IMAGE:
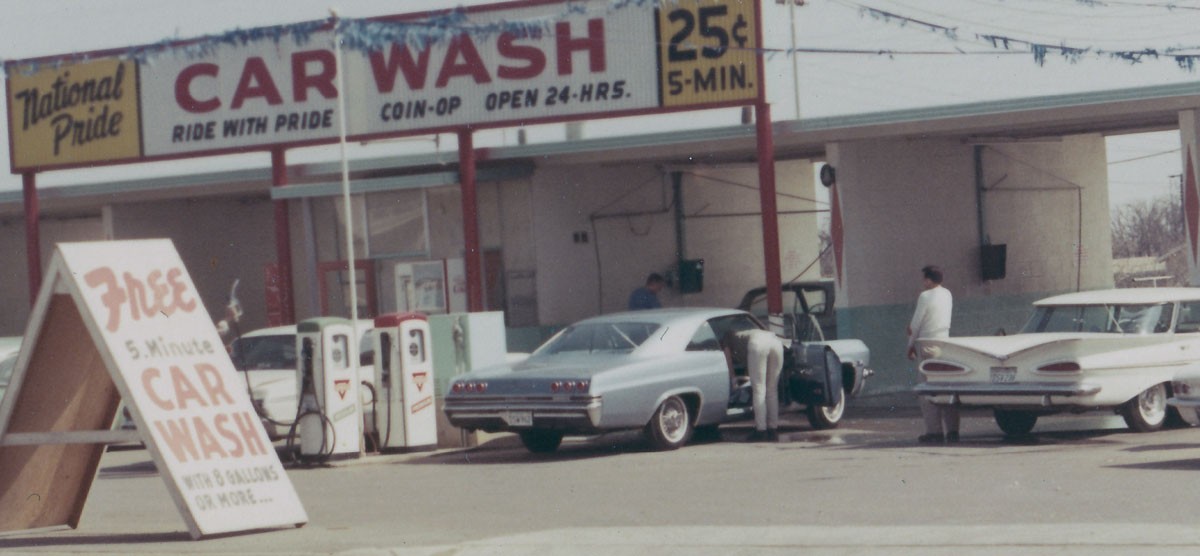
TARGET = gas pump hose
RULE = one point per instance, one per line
(373, 438)
(387, 437)
(328, 433)
(328, 440)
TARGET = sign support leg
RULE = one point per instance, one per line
(33, 249)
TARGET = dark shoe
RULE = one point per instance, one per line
(772, 435)
(931, 438)
(757, 436)
(952, 436)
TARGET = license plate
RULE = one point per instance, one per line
(518, 418)
(1004, 375)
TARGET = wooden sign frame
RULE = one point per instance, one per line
(85, 350)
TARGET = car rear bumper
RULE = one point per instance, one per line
(1002, 395)
(579, 414)
(1193, 403)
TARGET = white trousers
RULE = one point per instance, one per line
(764, 360)
(939, 419)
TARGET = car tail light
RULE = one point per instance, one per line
(1181, 388)
(570, 386)
(1061, 367)
(940, 367)
(469, 387)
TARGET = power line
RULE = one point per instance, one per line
(1180, 54)
(1143, 157)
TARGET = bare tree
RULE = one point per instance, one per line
(1149, 228)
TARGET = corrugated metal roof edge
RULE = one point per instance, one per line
(542, 150)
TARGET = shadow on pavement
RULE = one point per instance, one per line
(50, 539)
(1164, 447)
(1192, 465)
(992, 441)
(129, 471)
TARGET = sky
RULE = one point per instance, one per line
(923, 53)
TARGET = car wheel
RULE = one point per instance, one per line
(827, 417)
(1015, 423)
(671, 425)
(1147, 411)
(541, 441)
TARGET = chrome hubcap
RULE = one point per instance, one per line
(1152, 404)
(835, 413)
(672, 420)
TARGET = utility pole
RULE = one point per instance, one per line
(795, 59)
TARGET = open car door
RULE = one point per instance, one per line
(814, 375)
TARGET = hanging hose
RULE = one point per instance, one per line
(387, 437)
(328, 440)
(328, 433)
(373, 436)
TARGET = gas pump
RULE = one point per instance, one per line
(327, 417)
(404, 380)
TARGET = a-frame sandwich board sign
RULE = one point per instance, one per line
(116, 321)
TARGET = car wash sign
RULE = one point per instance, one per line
(515, 63)
(189, 404)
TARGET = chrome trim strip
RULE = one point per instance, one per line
(1028, 389)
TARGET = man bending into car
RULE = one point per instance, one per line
(763, 353)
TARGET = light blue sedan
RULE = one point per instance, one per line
(662, 371)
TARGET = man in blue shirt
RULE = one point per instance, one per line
(646, 297)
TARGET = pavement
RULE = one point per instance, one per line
(496, 499)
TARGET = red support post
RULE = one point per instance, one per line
(33, 242)
(470, 212)
(770, 215)
(283, 238)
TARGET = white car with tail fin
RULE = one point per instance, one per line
(1115, 350)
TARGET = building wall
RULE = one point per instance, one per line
(724, 227)
(628, 216)
(219, 240)
(506, 224)
(14, 274)
(577, 238)
(909, 203)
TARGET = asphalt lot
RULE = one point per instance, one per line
(1080, 485)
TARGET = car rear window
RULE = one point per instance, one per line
(265, 352)
(1113, 319)
(611, 337)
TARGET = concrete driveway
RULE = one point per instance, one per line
(1080, 485)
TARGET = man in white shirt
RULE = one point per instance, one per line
(932, 320)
